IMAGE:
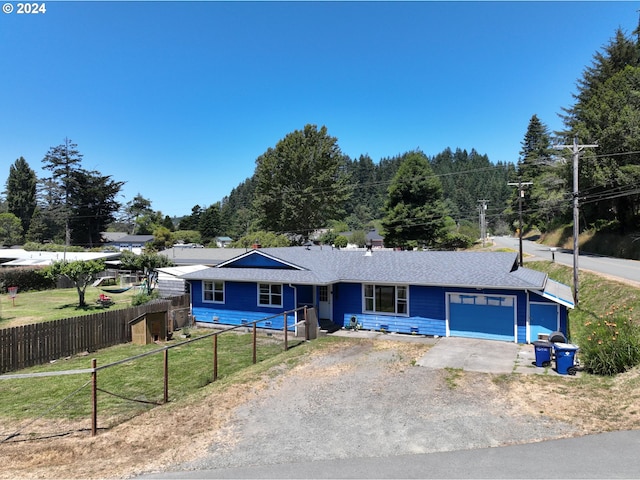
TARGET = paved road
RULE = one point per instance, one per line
(606, 455)
(615, 267)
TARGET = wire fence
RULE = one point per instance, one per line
(144, 379)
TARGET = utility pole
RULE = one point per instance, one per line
(483, 220)
(575, 150)
(520, 184)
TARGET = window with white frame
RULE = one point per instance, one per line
(270, 294)
(386, 299)
(213, 291)
(323, 293)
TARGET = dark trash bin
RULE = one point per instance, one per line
(565, 358)
(543, 353)
(557, 337)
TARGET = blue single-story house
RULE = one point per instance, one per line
(466, 294)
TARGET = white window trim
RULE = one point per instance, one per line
(213, 290)
(395, 287)
(270, 305)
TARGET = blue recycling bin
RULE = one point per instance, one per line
(543, 353)
(565, 357)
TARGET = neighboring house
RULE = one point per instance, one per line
(372, 239)
(223, 242)
(110, 237)
(133, 243)
(467, 294)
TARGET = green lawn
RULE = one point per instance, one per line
(42, 306)
(139, 381)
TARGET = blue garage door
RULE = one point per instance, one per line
(543, 318)
(482, 316)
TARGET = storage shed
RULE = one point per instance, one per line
(148, 328)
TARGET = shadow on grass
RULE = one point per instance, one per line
(77, 308)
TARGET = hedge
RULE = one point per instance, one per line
(25, 278)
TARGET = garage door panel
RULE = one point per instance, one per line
(478, 318)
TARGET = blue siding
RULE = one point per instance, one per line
(347, 300)
(395, 323)
(257, 261)
(427, 308)
(241, 303)
(238, 317)
(426, 311)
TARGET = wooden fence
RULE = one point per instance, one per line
(39, 343)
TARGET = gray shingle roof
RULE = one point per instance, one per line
(318, 266)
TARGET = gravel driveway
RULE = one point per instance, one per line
(372, 399)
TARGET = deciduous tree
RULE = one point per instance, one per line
(81, 273)
(301, 184)
(146, 263)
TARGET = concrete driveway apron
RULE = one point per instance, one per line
(488, 356)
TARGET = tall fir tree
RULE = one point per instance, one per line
(415, 211)
(21, 192)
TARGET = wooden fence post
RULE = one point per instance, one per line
(166, 375)
(306, 324)
(286, 340)
(215, 357)
(94, 398)
(255, 334)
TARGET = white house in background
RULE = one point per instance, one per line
(17, 257)
(133, 243)
(223, 242)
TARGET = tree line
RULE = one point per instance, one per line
(305, 187)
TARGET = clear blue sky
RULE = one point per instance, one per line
(178, 99)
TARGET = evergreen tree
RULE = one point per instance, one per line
(134, 209)
(607, 112)
(415, 208)
(168, 223)
(536, 150)
(21, 192)
(92, 205)
(50, 215)
(236, 214)
(209, 223)
(10, 230)
(63, 161)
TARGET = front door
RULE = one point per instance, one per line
(325, 310)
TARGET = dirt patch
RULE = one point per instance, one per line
(354, 398)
